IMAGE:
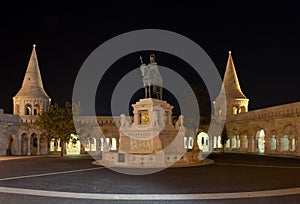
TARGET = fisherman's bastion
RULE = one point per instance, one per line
(272, 130)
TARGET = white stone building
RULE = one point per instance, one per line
(272, 130)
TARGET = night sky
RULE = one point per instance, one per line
(264, 40)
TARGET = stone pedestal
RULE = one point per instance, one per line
(151, 140)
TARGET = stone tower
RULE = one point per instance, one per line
(236, 101)
(31, 98)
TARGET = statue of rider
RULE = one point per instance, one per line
(151, 78)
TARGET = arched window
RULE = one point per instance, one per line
(36, 110)
(260, 137)
(28, 109)
(235, 110)
(113, 144)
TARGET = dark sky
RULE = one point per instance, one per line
(264, 39)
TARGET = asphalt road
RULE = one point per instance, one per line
(231, 173)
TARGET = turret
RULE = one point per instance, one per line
(236, 101)
(31, 98)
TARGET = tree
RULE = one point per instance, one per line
(224, 138)
(191, 120)
(58, 123)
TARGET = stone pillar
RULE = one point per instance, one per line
(38, 146)
(267, 143)
(278, 144)
(290, 143)
(251, 143)
(28, 153)
(97, 145)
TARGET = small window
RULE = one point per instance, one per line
(121, 157)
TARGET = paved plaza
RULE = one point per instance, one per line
(232, 178)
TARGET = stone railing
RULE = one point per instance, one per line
(286, 110)
(101, 120)
(28, 118)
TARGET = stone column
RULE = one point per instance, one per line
(97, 144)
(290, 143)
(251, 143)
(278, 144)
(28, 153)
(38, 146)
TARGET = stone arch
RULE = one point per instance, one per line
(273, 143)
(55, 145)
(101, 144)
(217, 142)
(289, 138)
(34, 144)
(260, 140)
(107, 145)
(114, 144)
(11, 145)
(89, 143)
(203, 139)
(73, 146)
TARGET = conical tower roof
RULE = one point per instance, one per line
(231, 82)
(32, 84)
